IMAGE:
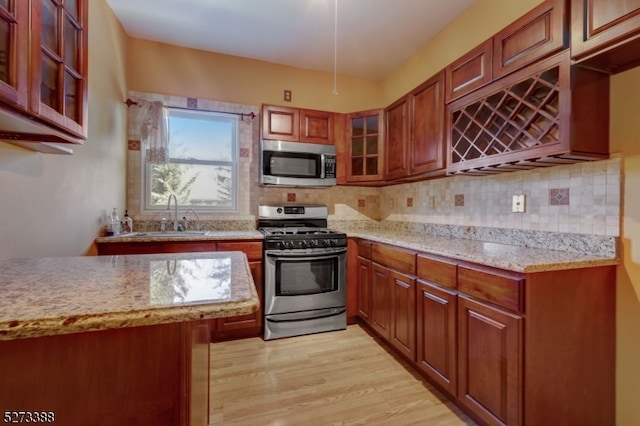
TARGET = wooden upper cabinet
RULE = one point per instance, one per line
(43, 73)
(297, 125)
(364, 153)
(280, 123)
(316, 126)
(396, 140)
(546, 114)
(59, 63)
(427, 136)
(469, 72)
(537, 34)
(414, 132)
(14, 31)
(605, 34)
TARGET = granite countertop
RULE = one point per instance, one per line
(183, 236)
(51, 296)
(498, 255)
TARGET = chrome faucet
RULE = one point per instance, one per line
(186, 228)
(175, 210)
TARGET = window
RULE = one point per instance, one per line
(202, 169)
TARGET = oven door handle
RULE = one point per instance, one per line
(303, 316)
(287, 254)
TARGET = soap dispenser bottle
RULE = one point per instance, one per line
(115, 222)
(128, 222)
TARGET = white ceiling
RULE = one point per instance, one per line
(374, 36)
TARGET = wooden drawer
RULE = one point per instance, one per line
(436, 270)
(130, 248)
(470, 72)
(253, 249)
(364, 249)
(502, 288)
(188, 246)
(397, 259)
(535, 35)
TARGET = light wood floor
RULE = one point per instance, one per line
(337, 378)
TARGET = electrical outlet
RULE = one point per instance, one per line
(392, 203)
(431, 202)
(517, 205)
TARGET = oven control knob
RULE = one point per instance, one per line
(279, 210)
(334, 242)
(303, 243)
(325, 242)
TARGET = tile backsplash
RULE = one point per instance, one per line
(587, 195)
(581, 198)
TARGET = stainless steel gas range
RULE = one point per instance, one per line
(305, 271)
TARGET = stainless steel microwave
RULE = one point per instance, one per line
(297, 164)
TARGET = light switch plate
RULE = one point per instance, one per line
(517, 204)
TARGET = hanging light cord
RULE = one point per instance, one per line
(335, 49)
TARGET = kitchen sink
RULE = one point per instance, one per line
(167, 234)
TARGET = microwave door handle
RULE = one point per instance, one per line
(322, 166)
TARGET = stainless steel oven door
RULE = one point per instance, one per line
(304, 280)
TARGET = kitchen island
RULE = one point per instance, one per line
(114, 339)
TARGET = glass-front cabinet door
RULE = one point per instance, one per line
(365, 160)
(13, 52)
(59, 63)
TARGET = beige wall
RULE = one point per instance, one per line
(625, 135)
(171, 70)
(53, 205)
(478, 23)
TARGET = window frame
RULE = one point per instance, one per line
(146, 168)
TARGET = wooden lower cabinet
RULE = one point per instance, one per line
(509, 348)
(402, 330)
(380, 300)
(436, 333)
(364, 288)
(147, 375)
(393, 308)
(490, 362)
(250, 323)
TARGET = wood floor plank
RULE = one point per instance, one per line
(337, 378)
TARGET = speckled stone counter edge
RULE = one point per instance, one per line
(595, 245)
(66, 324)
(83, 323)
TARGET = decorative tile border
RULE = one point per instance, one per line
(133, 145)
(559, 197)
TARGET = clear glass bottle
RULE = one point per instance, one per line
(115, 222)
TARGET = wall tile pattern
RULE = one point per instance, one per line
(593, 208)
(593, 205)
